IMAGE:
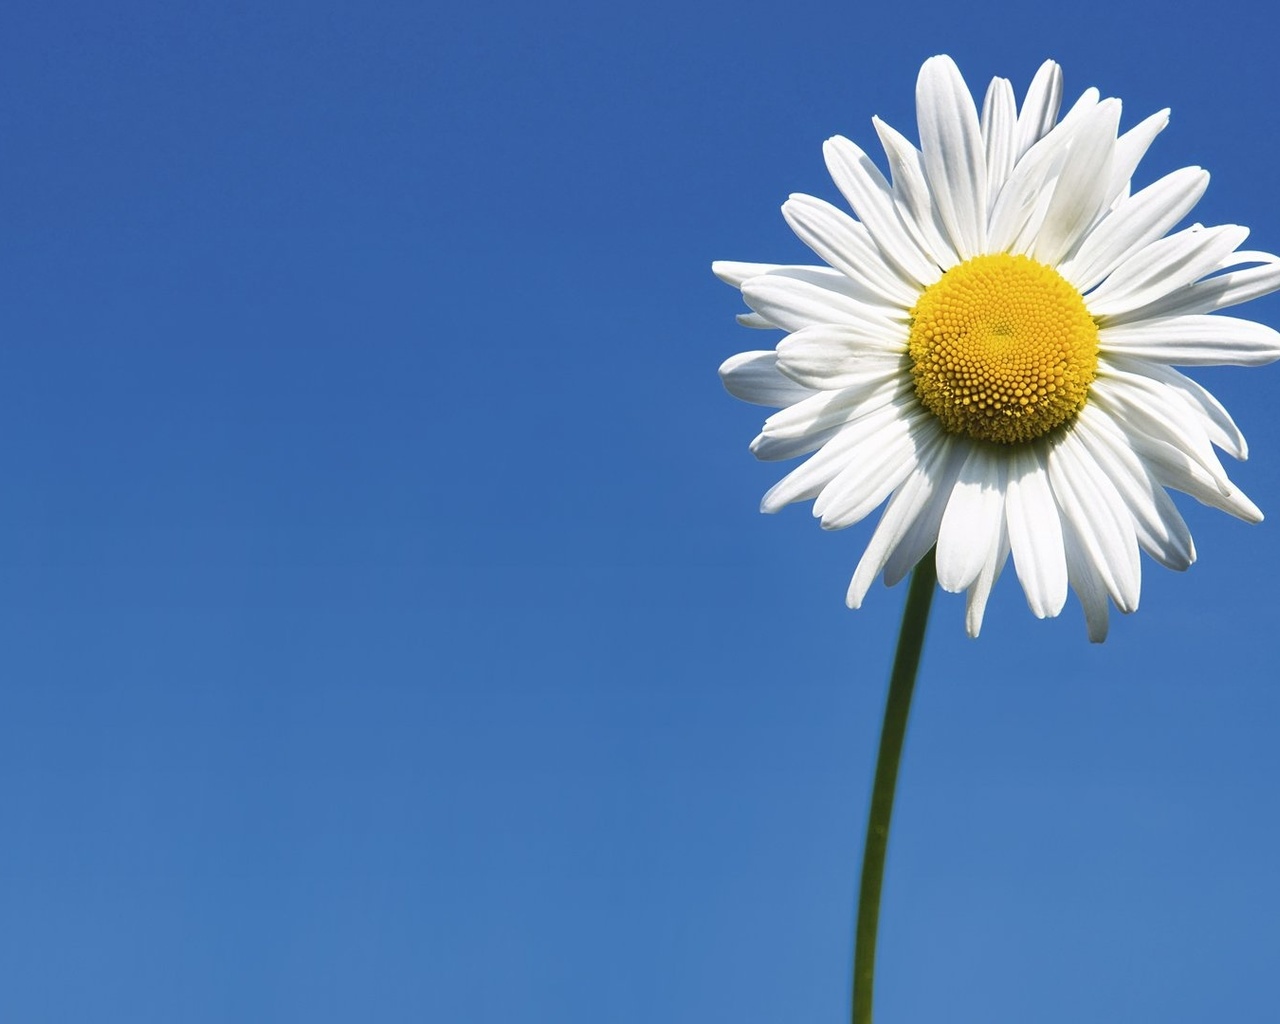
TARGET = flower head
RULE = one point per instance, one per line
(990, 347)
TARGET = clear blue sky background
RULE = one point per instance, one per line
(387, 630)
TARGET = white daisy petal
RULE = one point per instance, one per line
(807, 480)
(1024, 200)
(976, 600)
(754, 377)
(933, 474)
(1098, 517)
(1040, 108)
(1035, 533)
(871, 197)
(792, 304)
(999, 134)
(972, 520)
(1082, 189)
(1132, 146)
(1150, 408)
(831, 408)
(847, 246)
(754, 321)
(1198, 340)
(1135, 223)
(1159, 526)
(1214, 419)
(864, 484)
(830, 356)
(1172, 467)
(735, 272)
(1088, 586)
(955, 159)
(1218, 292)
(1164, 266)
(922, 533)
(913, 198)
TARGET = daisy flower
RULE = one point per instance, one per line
(990, 348)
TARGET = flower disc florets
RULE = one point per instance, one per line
(1003, 349)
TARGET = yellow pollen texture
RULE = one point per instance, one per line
(1002, 349)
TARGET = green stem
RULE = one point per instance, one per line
(901, 683)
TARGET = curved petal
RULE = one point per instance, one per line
(1035, 532)
(973, 519)
(975, 606)
(871, 197)
(1083, 189)
(791, 303)
(826, 357)
(1159, 526)
(1163, 267)
(1098, 518)
(754, 377)
(1213, 416)
(999, 128)
(1132, 146)
(873, 426)
(1218, 292)
(847, 246)
(954, 156)
(921, 497)
(1040, 108)
(912, 196)
(832, 408)
(871, 477)
(1135, 223)
(1197, 340)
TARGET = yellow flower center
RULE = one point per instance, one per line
(1002, 349)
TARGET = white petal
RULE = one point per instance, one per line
(999, 128)
(976, 599)
(755, 321)
(1035, 532)
(1087, 584)
(779, 449)
(830, 356)
(954, 156)
(1214, 418)
(921, 496)
(847, 246)
(871, 197)
(1217, 292)
(1040, 108)
(1082, 190)
(1171, 468)
(1148, 407)
(1022, 203)
(1135, 223)
(1098, 517)
(1193, 341)
(807, 480)
(735, 272)
(913, 198)
(1160, 528)
(922, 534)
(872, 475)
(973, 518)
(1132, 146)
(831, 408)
(1163, 267)
(754, 377)
(792, 304)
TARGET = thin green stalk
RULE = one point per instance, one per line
(901, 683)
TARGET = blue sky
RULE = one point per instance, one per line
(387, 630)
